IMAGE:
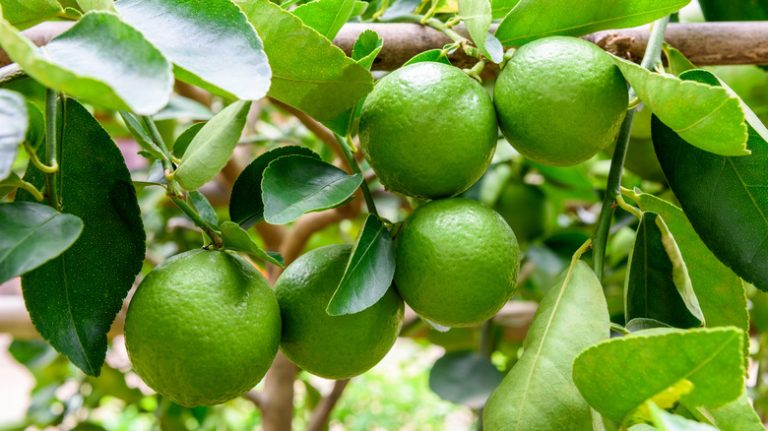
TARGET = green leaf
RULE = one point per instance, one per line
(719, 291)
(734, 10)
(464, 378)
(100, 60)
(369, 272)
(318, 78)
(665, 421)
(500, 8)
(712, 120)
(26, 13)
(74, 298)
(32, 234)
(399, 9)
(182, 108)
(534, 19)
(210, 42)
(725, 198)
(204, 208)
(182, 142)
(619, 375)
(212, 146)
(246, 207)
(9, 184)
(14, 122)
(436, 55)
(89, 5)
(678, 63)
(657, 285)
(572, 316)
(476, 15)
(236, 238)
(295, 185)
(325, 16)
(737, 415)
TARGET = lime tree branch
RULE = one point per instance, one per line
(650, 59)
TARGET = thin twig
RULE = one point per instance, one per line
(322, 412)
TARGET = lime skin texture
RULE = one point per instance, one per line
(428, 130)
(203, 328)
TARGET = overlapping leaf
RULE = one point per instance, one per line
(235, 238)
(477, 16)
(13, 128)
(26, 13)
(464, 378)
(325, 16)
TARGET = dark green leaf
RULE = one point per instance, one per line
(212, 146)
(500, 8)
(464, 378)
(657, 285)
(246, 207)
(236, 238)
(26, 13)
(369, 271)
(325, 16)
(209, 41)
(436, 55)
(618, 376)
(534, 19)
(74, 298)
(14, 122)
(734, 10)
(295, 185)
(317, 78)
(204, 208)
(100, 59)
(32, 234)
(476, 15)
(186, 137)
(572, 316)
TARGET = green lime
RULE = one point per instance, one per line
(428, 130)
(334, 347)
(203, 328)
(456, 262)
(524, 208)
(560, 100)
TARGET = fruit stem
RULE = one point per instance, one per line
(345, 149)
(42, 167)
(31, 189)
(651, 57)
(202, 224)
(53, 114)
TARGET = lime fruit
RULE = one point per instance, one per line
(428, 130)
(456, 262)
(203, 328)
(560, 100)
(524, 208)
(334, 347)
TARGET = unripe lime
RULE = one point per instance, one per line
(560, 100)
(428, 130)
(524, 208)
(203, 328)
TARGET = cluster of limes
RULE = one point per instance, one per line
(204, 326)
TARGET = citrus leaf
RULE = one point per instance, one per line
(204, 208)
(182, 108)
(246, 207)
(89, 5)
(26, 13)
(9, 184)
(500, 8)
(734, 10)
(32, 234)
(325, 16)
(182, 142)
(436, 55)
(464, 378)
(210, 42)
(294, 185)
(369, 272)
(665, 421)
(476, 15)
(720, 292)
(737, 415)
(236, 238)
(74, 298)
(713, 119)
(657, 285)
(534, 19)
(678, 63)
(14, 122)
(212, 146)
(100, 60)
(315, 77)
(572, 316)
(619, 375)
(725, 198)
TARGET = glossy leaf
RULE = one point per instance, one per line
(185, 138)
(436, 55)
(325, 16)
(236, 238)
(619, 375)
(678, 63)
(713, 119)
(369, 272)
(534, 19)
(246, 206)
(210, 42)
(32, 234)
(477, 17)
(665, 421)
(295, 185)
(658, 285)
(100, 60)
(212, 146)
(573, 315)
(74, 298)
(500, 8)
(734, 10)
(26, 13)
(14, 122)
(464, 378)
(737, 415)
(314, 76)
(204, 208)
(720, 292)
